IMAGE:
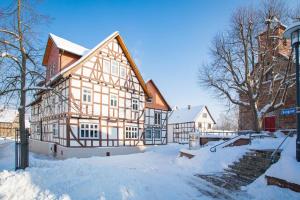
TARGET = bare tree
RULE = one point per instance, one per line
(228, 121)
(19, 61)
(241, 61)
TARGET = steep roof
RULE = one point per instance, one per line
(69, 46)
(8, 115)
(183, 115)
(151, 83)
(67, 71)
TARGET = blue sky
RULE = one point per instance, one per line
(169, 40)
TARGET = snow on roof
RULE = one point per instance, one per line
(8, 115)
(185, 114)
(84, 56)
(66, 45)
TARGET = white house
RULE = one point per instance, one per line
(183, 121)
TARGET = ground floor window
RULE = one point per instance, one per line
(88, 130)
(157, 134)
(148, 134)
(131, 132)
(55, 129)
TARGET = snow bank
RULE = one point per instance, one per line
(7, 154)
(150, 175)
(287, 168)
(156, 174)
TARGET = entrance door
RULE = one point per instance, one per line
(270, 123)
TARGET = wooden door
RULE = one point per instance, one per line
(270, 123)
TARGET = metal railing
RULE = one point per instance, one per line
(272, 157)
(214, 148)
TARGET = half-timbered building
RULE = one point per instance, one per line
(156, 116)
(94, 98)
(183, 121)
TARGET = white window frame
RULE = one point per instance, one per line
(89, 131)
(148, 138)
(157, 120)
(113, 101)
(123, 69)
(154, 134)
(131, 132)
(86, 95)
(135, 104)
(114, 68)
(106, 66)
(55, 129)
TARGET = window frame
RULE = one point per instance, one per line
(204, 115)
(131, 132)
(157, 118)
(106, 66)
(112, 62)
(113, 100)
(122, 67)
(87, 92)
(55, 130)
(154, 134)
(148, 138)
(86, 130)
(133, 104)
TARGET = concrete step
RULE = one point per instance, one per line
(242, 172)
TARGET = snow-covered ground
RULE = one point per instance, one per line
(156, 174)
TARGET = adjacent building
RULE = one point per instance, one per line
(183, 121)
(156, 116)
(273, 120)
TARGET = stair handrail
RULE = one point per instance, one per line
(214, 148)
(272, 157)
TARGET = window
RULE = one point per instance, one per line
(88, 130)
(269, 75)
(131, 132)
(55, 129)
(157, 118)
(86, 96)
(113, 100)
(148, 134)
(204, 115)
(38, 128)
(114, 68)
(135, 104)
(123, 72)
(157, 134)
(177, 126)
(106, 66)
(149, 100)
(209, 126)
(199, 125)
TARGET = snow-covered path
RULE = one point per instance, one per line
(156, 174)
(150, 175)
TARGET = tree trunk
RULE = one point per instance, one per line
(256, 121)
(23, 134)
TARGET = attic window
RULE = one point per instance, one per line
(106, 66)
(114, 68)
(122, 71)
(204, 115)
(86, 96)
